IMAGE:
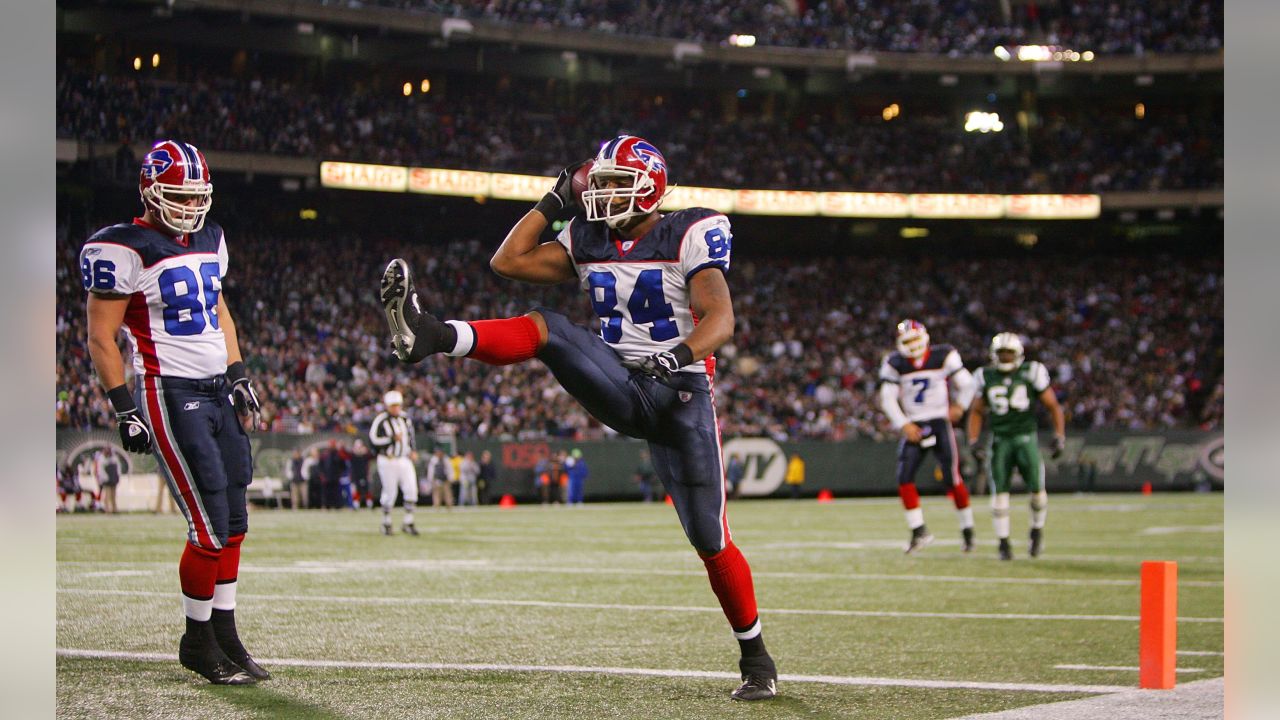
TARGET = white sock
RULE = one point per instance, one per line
(915, 518)
(466, 338)
(224, 596)
(1000, 514)
(966, 517)
(1039, 508)
(198, 610)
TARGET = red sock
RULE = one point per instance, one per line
(911, 497)
(504, 342)
(731, 581)
(229, 561)
(198, 571)
(960, 494)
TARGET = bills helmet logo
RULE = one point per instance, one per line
(156, 162)
(628, 178)
(650, 156)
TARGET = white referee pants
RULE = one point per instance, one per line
(397, 473)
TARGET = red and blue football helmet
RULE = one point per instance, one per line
(913, 339)
(174, 184)
(630, 169)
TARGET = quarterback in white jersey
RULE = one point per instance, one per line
(916, 384)
(657, 284)
(159, 278)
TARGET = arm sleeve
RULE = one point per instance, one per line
(565, 238)
(408, 424)
(965, 386)
(222, 254)
(707, 243)
(889, 404)
(109, 268)
(1039, 377)
(378, 434)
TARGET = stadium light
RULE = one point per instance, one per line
(1002, 53)
(408, 89)
(155, 60)
(426, 85)
(742, 40)
(1140, 111)
(891, 112)
(983, 122)
(137, 63)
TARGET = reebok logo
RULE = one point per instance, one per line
(193, 405)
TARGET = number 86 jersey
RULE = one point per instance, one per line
(173, 287)
(640, 288)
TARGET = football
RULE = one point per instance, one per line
(579, 182)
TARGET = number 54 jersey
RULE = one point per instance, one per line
(640, 288)
(173, 287)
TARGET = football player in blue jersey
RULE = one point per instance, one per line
(159, 278)
(657, 283)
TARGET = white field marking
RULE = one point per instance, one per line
(1177, 529)
(346, 566)
(118, 573)
(1118, 668)
(651, 672)
(1201, 653)
(503, 602)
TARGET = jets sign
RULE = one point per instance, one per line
(766, 464)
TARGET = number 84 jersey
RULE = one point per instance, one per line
(640, 288)
(173, 287)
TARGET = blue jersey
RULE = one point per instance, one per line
(640, 288)
(173, 286)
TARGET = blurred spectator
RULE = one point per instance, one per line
(734, 474)
(360, 456)
(297, 480)
(468, 476)
(577, 471)
(488, 474)
(440, 476)
(795, 475)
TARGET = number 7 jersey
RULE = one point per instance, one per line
(640, 288)
(173, 287)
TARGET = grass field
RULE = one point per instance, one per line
(605, 611)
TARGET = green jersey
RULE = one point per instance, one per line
(1011, 396)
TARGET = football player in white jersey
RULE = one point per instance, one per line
(916, 384)
(657, 283)
(159, 278)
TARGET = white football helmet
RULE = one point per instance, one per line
(913, 339)
(1006, 341)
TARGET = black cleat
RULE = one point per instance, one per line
(919, 538)
(759, 679)
(224, 631)
(409, 528)
(967, 535)
(1037, 538)
(415, 333)
(1006, 552)
(201, 655)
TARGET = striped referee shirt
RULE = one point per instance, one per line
(383, 435)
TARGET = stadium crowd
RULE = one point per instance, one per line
(503, 126)
(1131, 343)
(947, 27)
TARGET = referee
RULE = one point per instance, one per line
(392, 438)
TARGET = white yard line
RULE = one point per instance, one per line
(1199, 700)
(1118, 668)
(652, 672)
(1201, 653)
(322, 567)
(344, 599)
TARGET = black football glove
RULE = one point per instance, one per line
(562, 201)
(1059, 444)
(135, 436)
(979, 453)
(243, 398)
(661, 365)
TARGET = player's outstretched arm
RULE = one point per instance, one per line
(976, 411)
(521, 257)
(709, 296)
(1059, 420)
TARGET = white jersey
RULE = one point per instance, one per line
(924, 388)
(640, 288)
(173, 286)
(384, 431)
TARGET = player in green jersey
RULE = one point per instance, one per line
(1008, 389)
